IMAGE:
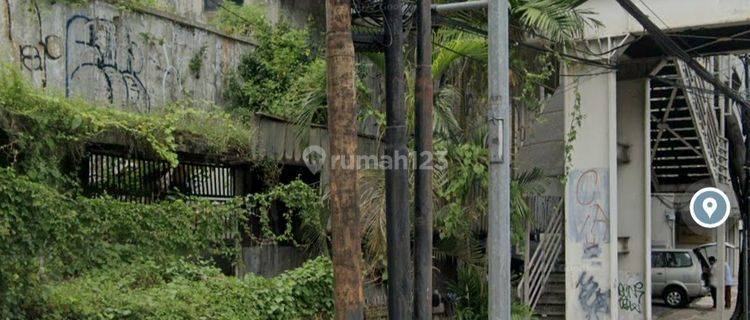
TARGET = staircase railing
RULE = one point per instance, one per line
(543, 261)
(700, 101)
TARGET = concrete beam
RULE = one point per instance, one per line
(669, 15)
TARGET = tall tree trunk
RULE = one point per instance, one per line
(347, 249)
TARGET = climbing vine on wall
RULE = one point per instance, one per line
(576, 119)
(295, 200)
(40, 132)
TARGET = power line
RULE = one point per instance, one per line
(670, 47)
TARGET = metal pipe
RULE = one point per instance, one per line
(459, 6)
(498, 238)
(423, 180)
(396, 177)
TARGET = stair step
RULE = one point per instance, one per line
(556, 277)
(552, 298)
(554, 288)
(551, 317)
(550, 310)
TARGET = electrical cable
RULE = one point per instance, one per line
(671, 48)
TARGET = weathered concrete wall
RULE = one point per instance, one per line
(663, 220)
(271, 260)
(189, 9)
(137, 61)
(542, 143)
(633, 196)
(591, 197)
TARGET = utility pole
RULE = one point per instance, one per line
(396, 177)
(499, 144)
(348, 296)
(423, 180)
(498, 239)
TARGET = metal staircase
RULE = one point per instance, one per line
(543, 285)
(687, 144)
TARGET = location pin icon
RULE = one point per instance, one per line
(709, 206)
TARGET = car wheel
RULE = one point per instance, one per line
(675, 297)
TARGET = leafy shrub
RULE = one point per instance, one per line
(46, 235)
(264, 75)
(183, 290)
(470, 296)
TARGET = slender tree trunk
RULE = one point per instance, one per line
(347, 249)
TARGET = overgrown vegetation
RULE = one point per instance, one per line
(48, 240)
(66, 256)
(46, 235)
(266, 74)
(184, 290)
(63, 255)
(196, 62)
(42, 132)
(284, 76)
(299, 202)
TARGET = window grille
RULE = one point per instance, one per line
(148, 180)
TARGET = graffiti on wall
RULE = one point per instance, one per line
(588, 210)
(593, 300)
(128, 60)
(98, 52)
(38, 49)
(630, 294)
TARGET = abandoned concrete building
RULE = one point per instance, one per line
(649, 131)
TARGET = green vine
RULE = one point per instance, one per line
(196, 62)
(535, 76)
(298, 201)
(41, 132)
(576, 120)
(46, 235)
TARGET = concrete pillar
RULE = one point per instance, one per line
(634, 197)
(591, 193)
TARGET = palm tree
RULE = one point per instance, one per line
(459, 67)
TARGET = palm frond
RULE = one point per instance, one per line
(460, 47)
(557, 20)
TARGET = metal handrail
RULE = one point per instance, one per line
(542, 262)
(700, 103)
